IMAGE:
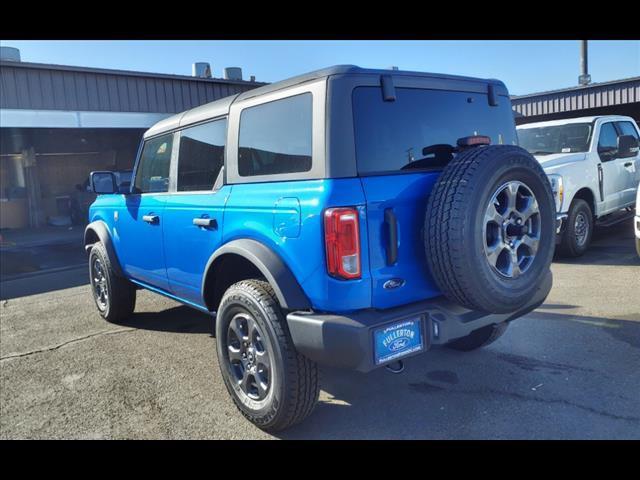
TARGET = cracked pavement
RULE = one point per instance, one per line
(568, 370)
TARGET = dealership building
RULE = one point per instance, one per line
(617, 97)
(58, 123)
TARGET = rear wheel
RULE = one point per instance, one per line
(577, 234)
(272, 385)
(115, 296)
(479, 338)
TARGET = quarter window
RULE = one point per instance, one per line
(275, 137)
(153, 168)
(201, 156)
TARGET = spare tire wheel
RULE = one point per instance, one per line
(490, 228)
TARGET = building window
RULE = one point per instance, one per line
(275, 137)
(153, 168)
(201, 156)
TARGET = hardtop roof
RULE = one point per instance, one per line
(221, 107)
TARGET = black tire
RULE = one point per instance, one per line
(570, 244)
(292, 379)
(479, 338)
(120, 300)
(454, 228)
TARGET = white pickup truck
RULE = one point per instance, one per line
(593, 164)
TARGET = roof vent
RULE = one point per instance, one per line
(393, 67)
(233, 73)
(201, 70)
(9, 54)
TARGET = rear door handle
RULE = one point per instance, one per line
(628, 164)
(151, 218)
(205, 222)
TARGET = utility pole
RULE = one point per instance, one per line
(584, 78)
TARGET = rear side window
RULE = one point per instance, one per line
(153, 168)
(418, 129)
(201, 156)
(275, 137)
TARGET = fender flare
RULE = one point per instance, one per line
(284, 283)
(100, 229)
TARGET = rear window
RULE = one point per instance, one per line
(420, 127)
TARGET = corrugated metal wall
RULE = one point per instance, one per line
(592, 96)
(40, 87)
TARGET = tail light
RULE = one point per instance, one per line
(342, 242)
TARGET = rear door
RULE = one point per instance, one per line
(401, 148)
(194, 212)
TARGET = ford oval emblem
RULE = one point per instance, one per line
(393, 283)
(399, 344)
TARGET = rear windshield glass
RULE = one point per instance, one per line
(421, 127)
(569, 138)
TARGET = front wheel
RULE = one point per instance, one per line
(271, 384)
(577, 234)
(115, 296)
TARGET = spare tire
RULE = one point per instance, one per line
(490, 228)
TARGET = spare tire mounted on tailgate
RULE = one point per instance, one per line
(489, 228)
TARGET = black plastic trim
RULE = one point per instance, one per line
(346, 341)
(287, 289)
(100, 228)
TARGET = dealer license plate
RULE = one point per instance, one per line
(397, 340)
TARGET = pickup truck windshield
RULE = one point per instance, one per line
(421, 127)
(573, 137)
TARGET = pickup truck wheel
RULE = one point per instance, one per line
(579, 230)
(272, 385)
(115, 296)
(490, 228)
(479, 338)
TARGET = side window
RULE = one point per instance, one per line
(627, 128)
(608, 142)
(153, 168)
(201, 156)
(275, 137)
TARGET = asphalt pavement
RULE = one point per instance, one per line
(571, 369)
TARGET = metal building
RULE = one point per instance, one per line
(617, 97)
(58, 122)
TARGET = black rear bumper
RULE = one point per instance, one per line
(347, 340)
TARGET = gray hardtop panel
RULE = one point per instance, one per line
(195, 115)
(221, 107)
(355, 70)
(209, 110)
(164, 125)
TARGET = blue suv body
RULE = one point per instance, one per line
(318, 187)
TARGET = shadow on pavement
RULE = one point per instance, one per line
(179, 319)
(613, 245)
(43, 282)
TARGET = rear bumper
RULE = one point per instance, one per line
(347, 340)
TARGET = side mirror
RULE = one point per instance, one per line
(103, 182)
(627, 146)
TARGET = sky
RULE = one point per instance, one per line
(525, 66)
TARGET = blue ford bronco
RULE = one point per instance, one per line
(346, 217)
